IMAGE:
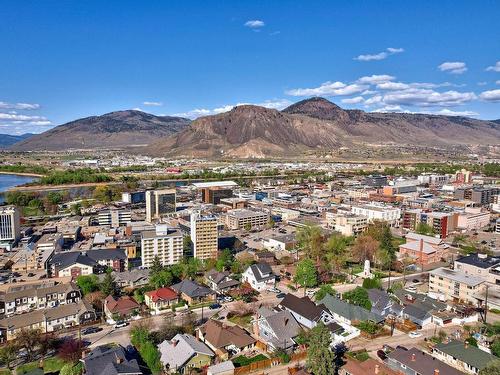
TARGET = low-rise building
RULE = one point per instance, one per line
(373, 212)
(416, 362)
(277, 329)
(242, 218)
(192, 292)
(260, 276)
(110, 360)
(446, 284)
(184, 353)
(160, 299)
(120, 308)
(423, 249)
(220, 282)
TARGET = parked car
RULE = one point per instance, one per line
(381, 354)
(228, 299)
(281, 295)
(402, 347)
(310, 293)
(274, 290)
(121, 324)
(414, 334)
(91, 330)
(31, 274)
(214, 306)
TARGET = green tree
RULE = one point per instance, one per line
(492, 368)
(161, 279)
(29, 339)
(306, 274)
(358, 296)
(8, 354)
(156, 266)
(224, 260)
(320, 359)
(387, 243)
(87, 283)
(336, 251)
(54, 197)
(495, 347)
(310, 240)
(372, 283)
(108, 285)
(365, 248)
(323, 291)
(72, 369)
(424, 228)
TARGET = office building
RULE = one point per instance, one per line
(10, 226)
(134, 197)
(164, 243)
(375, 181)
(473, 219)
(243, 218)
(213, 192)
(373, 212)
(159, 203)
(204, 236)
(115, 217)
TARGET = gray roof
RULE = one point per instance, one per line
(348, 311)
(192, 289)
(457, 276)
(110, 360)
(483, 261)
(424, 364)
(221, 368)
(262, 272)
(302, 306)
(186, 347)
(470, 354)
(283, 324)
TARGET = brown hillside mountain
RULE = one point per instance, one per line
(316, 123)
(115, 129)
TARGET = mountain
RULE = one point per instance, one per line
(7, 140)
(111, 130)
(317, 124)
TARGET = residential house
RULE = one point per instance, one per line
(71, 264)
(419, 308)
(423, 249)
(277, 329)
(110, 360)
(462, 356)
(222, 368)
(347, 313)
(160, 299)
(134, 278)
(368, 367)
(225, 340)
(265, 257)
(417, 362)
(305, 311)
(47, 320)
(183, 353)
(260, 276)
(383, 304)
(220, 282)
(120, 308)
(192, 292)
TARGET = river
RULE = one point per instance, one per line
(10, 180)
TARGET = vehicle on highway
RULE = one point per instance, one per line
(121, 324)
(274, 290)
(381, 354)
(414, 334)
(281, 295)
(415, 281)
(91, 330)
(214, 306)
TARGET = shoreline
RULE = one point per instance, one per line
(25, 174)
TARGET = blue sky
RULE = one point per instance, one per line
(63, 60)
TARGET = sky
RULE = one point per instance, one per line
(63, 60)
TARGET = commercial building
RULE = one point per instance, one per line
(164, 243)
(423, 249)
(375, 181)
(115, 217)
(242, 218)
(373, 212)
(204, 236)
(347, 223)
(452, 285)
(479, 195)
(10, 226)
(473, 219)
(213, 192)
(159, 203)
(134, 197)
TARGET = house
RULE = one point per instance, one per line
(368, 367)
(71, 264)
(110, 360)
(47, 320)
(419, 308)
(265, 257)
(131, 279)
(160, 299)
(417, 362)
(223, 368)
(347, 313)
(192, 292)
(260, 276)
(184, 352)
(220, 282)
(423, 249)
(383, 304)
(305, 311)
(276, 328)
(462, 356)
(120, 308)
(225, 340)
(110, 258)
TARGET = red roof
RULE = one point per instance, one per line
(165, 294)
(123, 305)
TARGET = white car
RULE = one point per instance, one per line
(121, 324)
(411, 288)
(414, 334)
(274, 290)
(310, 293)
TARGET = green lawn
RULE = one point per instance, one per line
(5, 371)
(242, 321)
(245, 361)
(360, 355)
(52, 364)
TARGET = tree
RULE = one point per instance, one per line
(161, 279)
(224, 260)
(492, 368)
(187, 245)
(358, 296)
(70, 350)
(364, 248)
(340, 351)
(372, 283)
(96, 299)
(156, 266)
(87, 283)
(247, 227)
(495, 347)
(72, 369)
(108, 285)
(8, 354)
(306, 274)
(323, 291)
(320, 359)
(310, 240)
(382, 257)
(29, 339)
(387, 244)
(424, 228)
(336, 251)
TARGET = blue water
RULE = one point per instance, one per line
(10, 180)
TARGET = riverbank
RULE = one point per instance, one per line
(22, 174)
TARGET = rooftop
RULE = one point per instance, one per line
(457, 276)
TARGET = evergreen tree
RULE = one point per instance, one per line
(156, 266)
(320, 359)
(108, 286)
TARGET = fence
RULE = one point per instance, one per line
(266, 363)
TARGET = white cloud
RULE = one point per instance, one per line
(376, 78)
(21, 106)
(393, 86)
(255, 24)
(491, 95)
(389, 108)
(494, 68)
(449, 112)
(456, 67)
(427, 97)
(498, 82)
(152, 104)
(329, 89)
(355, 100)
(379, 56)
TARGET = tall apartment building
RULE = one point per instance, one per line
(10, 226)
(479, 195)
(240, 218)
(453, 285)
(204, 235)
(114, 217)
(159, 203)
(164, 243)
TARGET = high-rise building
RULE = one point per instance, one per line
(159, 203)
(164, 243)
(204, 236)
(114, 217)
(213, 192)
(10, 225)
